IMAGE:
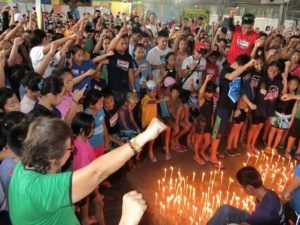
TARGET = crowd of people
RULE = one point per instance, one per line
(83, 94)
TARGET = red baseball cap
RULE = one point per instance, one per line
(198, 46)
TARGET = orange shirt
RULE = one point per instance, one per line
(149, 111)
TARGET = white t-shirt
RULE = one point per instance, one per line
(197, 75)
(37, 56)
(154, 29)
(26, 104)
(157, 57)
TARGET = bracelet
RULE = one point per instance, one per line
(134, 146)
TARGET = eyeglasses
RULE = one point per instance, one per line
(71, 149)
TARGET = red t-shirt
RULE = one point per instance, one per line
(241, 44)
(211, 69)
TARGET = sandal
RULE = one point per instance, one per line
(199, 161)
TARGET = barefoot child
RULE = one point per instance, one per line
(203, 121)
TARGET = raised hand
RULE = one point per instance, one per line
(90, 72)
(155, 128)
(18, 41)
(133, 208)
(110, 53)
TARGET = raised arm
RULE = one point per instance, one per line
(47, 59)
(14, 51)
(85, 180)
(58, 42)
(13, 32)
(203, 87)
(2, 64)
(239, 71)
(285, 75)
(231, 16)
(115, 41)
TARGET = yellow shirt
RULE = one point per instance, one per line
(149, 111)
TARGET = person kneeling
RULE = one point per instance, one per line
(268, 210)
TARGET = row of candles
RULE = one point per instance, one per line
(194, 199)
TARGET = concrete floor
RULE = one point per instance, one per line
(144, 176)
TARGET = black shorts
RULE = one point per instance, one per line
(241, 118)
(295, 129)
(222, 122)
(258, 119)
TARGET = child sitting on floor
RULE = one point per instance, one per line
(127, 121)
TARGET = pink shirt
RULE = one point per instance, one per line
(65, 106)
(83, 155)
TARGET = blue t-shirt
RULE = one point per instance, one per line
(77, 70)
(268, 211)
(295, 201)
(143, 74)
(97, 140)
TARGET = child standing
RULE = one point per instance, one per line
(32, 92)
(203, 121)
(149, 111)
(93, 105)
(230, 82)
(70, 104)
(83, 128)
(83, 70)
(142, 70)
(282, 118)
(267, 94)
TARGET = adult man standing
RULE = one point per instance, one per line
(156, 56)
(243, 37)
(120, 67)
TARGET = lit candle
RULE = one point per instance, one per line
(203, 176)
(180, 214)
(171, 171)
(158, 182)
(257, 157)
(210, 178)
(194, 174)
(155, 198)
(222, 175)
(248, 158)
(227, 196)
(165, 173)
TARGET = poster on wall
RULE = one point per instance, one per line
(120, 7)
(196, 12)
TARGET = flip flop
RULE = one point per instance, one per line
(201, 163)
(217, 165)
(179, 149)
